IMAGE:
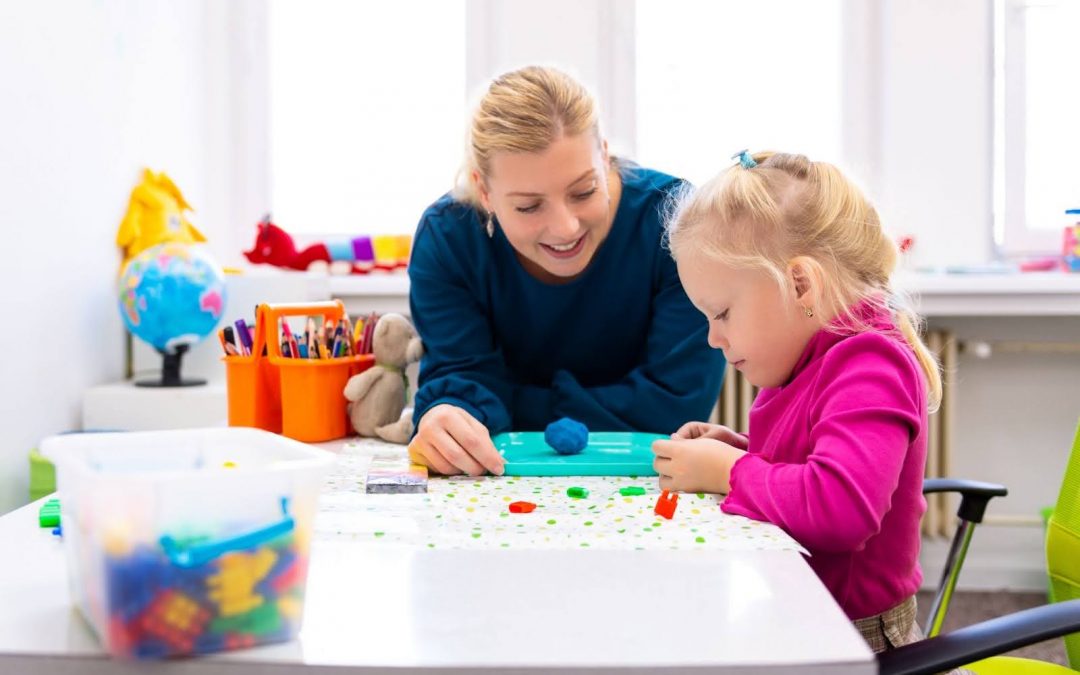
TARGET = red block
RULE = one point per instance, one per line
(522, 507)
(665, 505)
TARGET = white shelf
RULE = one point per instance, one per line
(934, 294)
(124, 406)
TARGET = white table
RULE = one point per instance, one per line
(400, 610)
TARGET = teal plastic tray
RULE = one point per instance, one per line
(609, 453)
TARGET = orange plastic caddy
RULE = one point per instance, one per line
(299, 398)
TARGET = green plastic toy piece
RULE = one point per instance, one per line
(577, 492)
(262, 620)
(609, 453)
(49, 514)
(632, 491)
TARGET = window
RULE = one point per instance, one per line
(367, 112)
(716, 77)
(1036, 132)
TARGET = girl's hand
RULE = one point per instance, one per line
(451, 441)
(705, 430)
(695, 465)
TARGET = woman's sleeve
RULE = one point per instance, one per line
(461, 364)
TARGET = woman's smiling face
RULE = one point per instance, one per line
(553, 206)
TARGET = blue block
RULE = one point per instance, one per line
(567, 436)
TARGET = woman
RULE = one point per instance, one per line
(541, 287)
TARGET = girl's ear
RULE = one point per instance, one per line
(806, 278)
(481, 190)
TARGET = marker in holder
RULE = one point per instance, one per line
(299, 398)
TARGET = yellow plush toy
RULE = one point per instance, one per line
(155, 215)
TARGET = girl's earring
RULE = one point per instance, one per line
(490, 224)
(809, 312)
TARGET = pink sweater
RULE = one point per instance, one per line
(836, 459)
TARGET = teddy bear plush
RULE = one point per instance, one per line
(377, 395)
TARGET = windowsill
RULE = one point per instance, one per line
(934, 294)
(991, 294)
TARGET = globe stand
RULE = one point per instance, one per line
(170, 372)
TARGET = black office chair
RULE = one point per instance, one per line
(989, 638)
(974, 498)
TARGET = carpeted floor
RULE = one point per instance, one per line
(969, 607)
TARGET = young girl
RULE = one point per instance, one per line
(788, 262)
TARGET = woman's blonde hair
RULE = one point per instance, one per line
(524, 111)
(786, 207)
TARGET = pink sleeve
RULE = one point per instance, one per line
(863, 420)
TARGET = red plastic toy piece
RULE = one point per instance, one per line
(665, 505)
(522, 507)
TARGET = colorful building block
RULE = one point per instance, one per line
(665, 505)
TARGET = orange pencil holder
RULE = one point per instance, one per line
(300, 398)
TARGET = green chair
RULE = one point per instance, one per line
(42, 476)
(965, 647)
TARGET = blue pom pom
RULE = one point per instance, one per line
(567, 436)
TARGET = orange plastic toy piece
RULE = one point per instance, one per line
(665, 505)
(175, 619)
(522, 507)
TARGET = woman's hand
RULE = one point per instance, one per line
(695, 465)
(451, 441)
(705, 430)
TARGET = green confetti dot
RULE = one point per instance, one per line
(701, 495)
(585, 544)
(505, 544)
(551, 522)
(622, 531)
(475, 535)
(449, 495)
(588, 523)
(656, 524)
(647, 529)
(431, 545)
(700, 540)
(379, 534)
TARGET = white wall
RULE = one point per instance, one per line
(92, 92)
(1015, 416)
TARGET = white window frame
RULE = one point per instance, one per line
(611, 70)
(1012, 236)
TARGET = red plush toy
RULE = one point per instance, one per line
(274, 246)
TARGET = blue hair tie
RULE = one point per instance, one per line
(745, 159)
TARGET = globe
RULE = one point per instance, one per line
(171, 296)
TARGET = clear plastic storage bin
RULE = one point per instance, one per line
(190, 541)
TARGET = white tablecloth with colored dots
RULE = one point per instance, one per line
(461, 512)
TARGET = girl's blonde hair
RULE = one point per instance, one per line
(786, 207)
(524, 111)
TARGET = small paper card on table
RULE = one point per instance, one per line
(396, 475)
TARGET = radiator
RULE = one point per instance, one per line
(736, 397)
(940, 518)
